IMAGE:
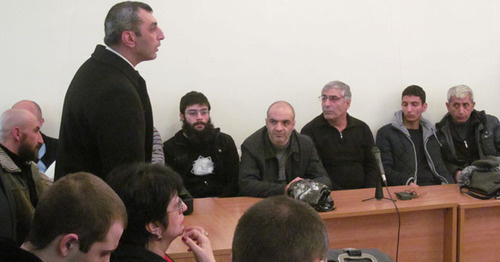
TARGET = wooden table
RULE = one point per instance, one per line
(428, 223)
(478, 229)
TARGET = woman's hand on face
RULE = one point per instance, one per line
(196, 238)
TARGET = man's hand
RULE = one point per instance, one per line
(291, 182)
(413, 185)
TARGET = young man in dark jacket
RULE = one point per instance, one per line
(466, 134)
(409, 146)
(206, 158)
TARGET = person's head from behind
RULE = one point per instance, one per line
(20, 133)
(335, 100)
(460, 103)
(195, 114)
(154, 209)
(413, 104)
(32, 107)
(78, 218)
(280, 123)
(131, 25)
(280, 228)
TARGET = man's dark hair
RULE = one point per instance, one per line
(414, 90)
(146, 190)
(280, 228)
(80, 203)
(193, 98)
(123, 17)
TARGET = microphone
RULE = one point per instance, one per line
(376, 153)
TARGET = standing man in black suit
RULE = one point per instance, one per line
(107, 118)
(47, 153)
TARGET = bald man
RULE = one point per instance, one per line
(20, 180)
(47, 153)
(276, 155)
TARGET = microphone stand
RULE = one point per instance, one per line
(379, 193)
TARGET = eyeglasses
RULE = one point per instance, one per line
(179, 207)
(193, 112)
(331, 98)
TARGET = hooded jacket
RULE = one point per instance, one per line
(399, 155)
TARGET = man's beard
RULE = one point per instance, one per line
(26, 152)
(198, 136)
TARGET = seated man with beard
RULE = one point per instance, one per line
(206, 158)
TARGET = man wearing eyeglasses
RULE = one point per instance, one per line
(206, 158)
(343, 142)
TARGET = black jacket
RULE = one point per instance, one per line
(50, 150)
(259, 166)
(220, 154)
(106, 120)
(134, 253)
(486, 133)
(399, 153)
(347, 156)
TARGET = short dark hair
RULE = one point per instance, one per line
(146, 190)
(280, 228)
(78, 203)
(193, 98)
(414, 90)
(123, 17)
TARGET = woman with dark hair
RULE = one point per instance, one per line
(155, 214)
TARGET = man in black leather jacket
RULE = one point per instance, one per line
(466, 134)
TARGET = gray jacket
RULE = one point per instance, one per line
(399, 155)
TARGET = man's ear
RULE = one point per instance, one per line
(68, 245)
(424, 106)
(128, 38)
(41, 122)
(181, 116)
(16, 133)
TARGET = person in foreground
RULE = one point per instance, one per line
(280, 228)
(276, 155)
(79, 218)
(149, 192)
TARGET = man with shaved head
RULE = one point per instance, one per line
(20, 180)
(47, 153)
(276, 155)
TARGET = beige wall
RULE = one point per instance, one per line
(246, 54)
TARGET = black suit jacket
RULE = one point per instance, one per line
(107, 118)
(50, 150)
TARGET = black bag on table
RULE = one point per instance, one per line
(482, 178)
(357, 255)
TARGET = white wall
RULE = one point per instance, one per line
(244, 55)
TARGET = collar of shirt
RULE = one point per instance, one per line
(120, 55)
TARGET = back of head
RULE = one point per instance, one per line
(460, 91)
(280, 229)
(414, 90)
(146, 190)
(30, 106)
(79, 203)
(123, 17)
(193, 98)
(344, 88)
